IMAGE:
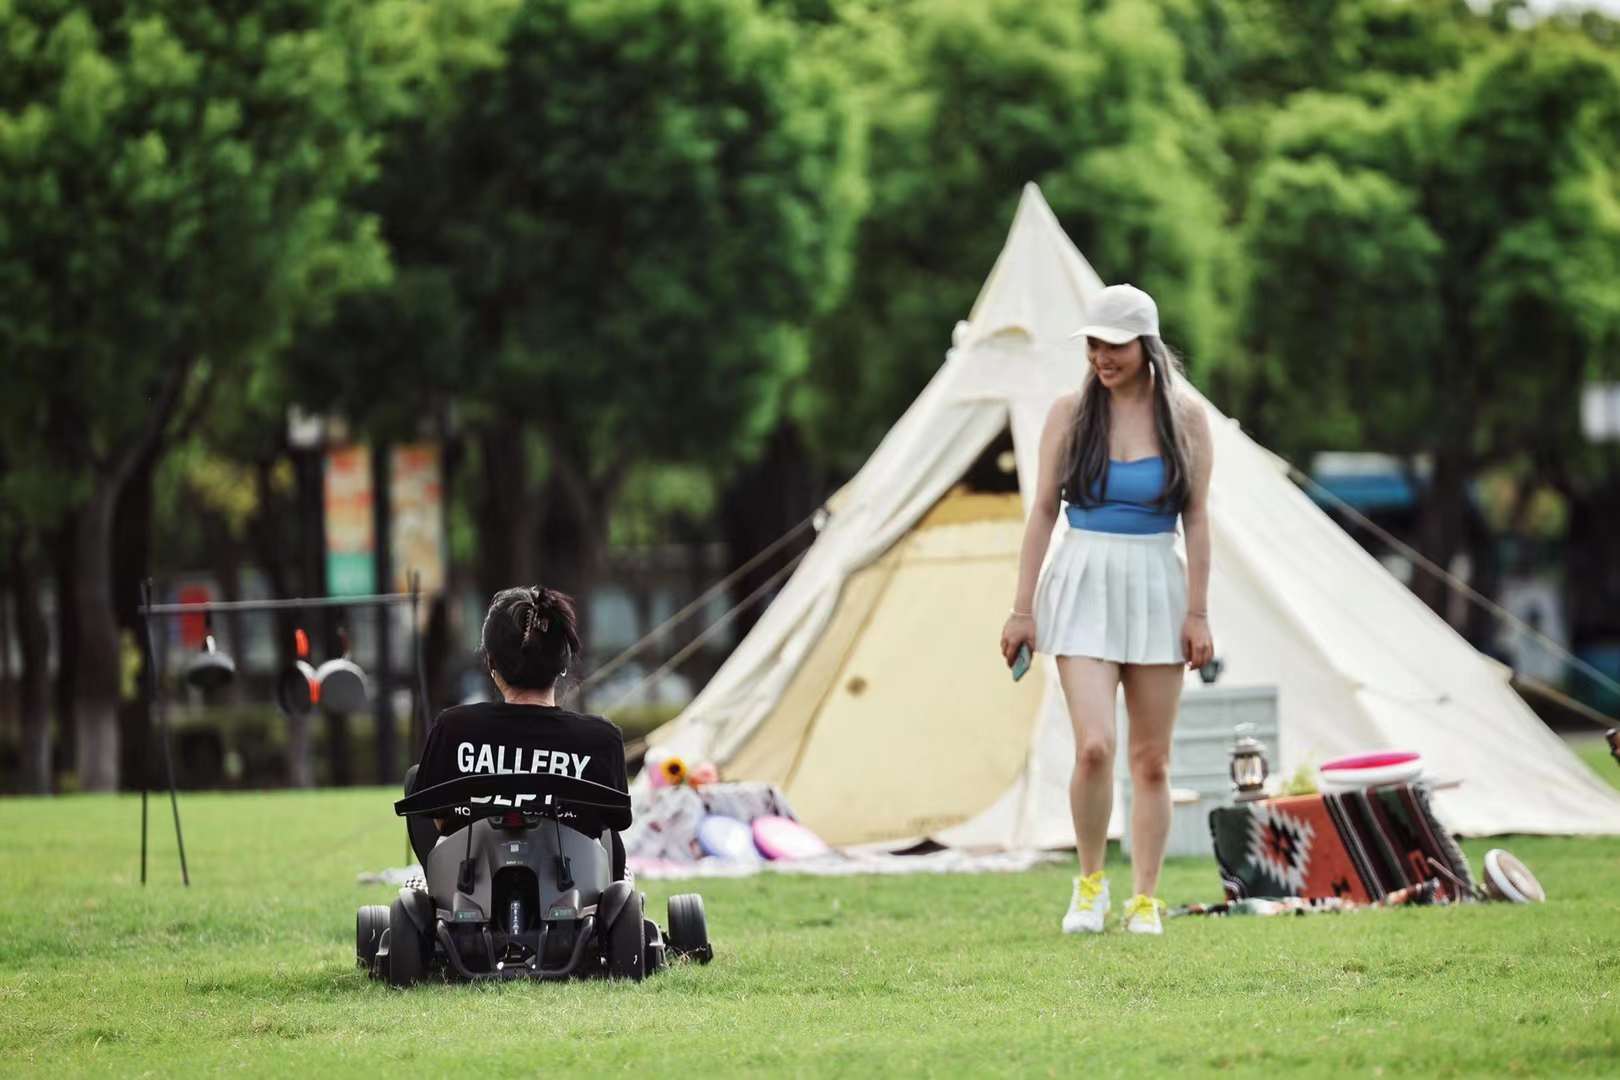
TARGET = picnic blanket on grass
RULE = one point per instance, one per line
(1359, 846)
(666, 819)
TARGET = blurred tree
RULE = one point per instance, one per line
(1248, 58)
(22, 573)
(1248, 52)
(965, 102)
(172, 185)
(1436, 277)
(610, 244)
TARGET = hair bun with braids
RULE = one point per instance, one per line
(530, 634)
(532, 614)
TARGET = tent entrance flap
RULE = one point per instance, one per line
(847, 729)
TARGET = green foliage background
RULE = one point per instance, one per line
(613, 250)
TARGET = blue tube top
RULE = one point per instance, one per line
(1129, 504)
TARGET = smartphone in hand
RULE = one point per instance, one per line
(1021, 662)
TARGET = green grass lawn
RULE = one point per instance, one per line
(251, 969)
(1596, 754)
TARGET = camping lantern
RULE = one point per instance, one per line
(1249, 768)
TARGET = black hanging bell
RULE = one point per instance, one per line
(210, 669)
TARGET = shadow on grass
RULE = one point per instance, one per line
(340, 981)
(321, 984)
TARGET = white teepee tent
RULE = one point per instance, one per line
(872, 690)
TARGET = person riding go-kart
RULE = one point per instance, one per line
(525, 896)
(536, 887)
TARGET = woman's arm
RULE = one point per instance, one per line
(1197, 644)
(1020, 628)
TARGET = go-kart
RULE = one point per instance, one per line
(519, 894)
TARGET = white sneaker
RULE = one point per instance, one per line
(1089, 906)
(1142, 915)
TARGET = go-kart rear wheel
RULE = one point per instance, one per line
(689, 928)
(627, 943)
(369, 923)
(408, 948)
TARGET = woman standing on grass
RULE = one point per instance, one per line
(1127, 453)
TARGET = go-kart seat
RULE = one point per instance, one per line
(423, 834)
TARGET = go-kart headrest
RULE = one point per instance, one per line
(528, 792)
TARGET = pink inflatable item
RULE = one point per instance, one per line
(1367, 770)
(783, 838)
(1373, 761)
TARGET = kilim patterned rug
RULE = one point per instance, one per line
(1358, 846)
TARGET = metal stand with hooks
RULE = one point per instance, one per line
(156, 717)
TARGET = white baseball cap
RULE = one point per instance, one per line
(1118, 314)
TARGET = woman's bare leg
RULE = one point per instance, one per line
(1152, 695)
(1089, 690)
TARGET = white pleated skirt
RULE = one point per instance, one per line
(1112, 596)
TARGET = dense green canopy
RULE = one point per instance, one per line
(640, 261)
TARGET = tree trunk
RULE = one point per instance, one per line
(95, 691)
(225, 556)
(438, 632)
(575, 522)
(300, 762)
(228, 572)
(273, 549)
(10, 716)
(1442, 522)
(507, 514)
(98, 564)
(565, 544)
(701, 573)
(1593, 565)
(324, 625)
(764, 502)
(130, 556)
(1480, 625)
(436, 648)
(382, 504)
(67, 646)
(339, 755)
(33, 691)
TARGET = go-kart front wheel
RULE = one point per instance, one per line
(369, 923)
(689, 928)
(409, 950)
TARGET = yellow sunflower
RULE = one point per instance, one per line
(673, 769)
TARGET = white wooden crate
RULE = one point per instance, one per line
(1200, 756)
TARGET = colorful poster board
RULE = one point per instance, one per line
(350, 525)
(416, 494)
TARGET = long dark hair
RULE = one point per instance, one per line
(530, 634)
(1086, 477)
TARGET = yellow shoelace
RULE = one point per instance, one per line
(1142, 904)
(1091, 887)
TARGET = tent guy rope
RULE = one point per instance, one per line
(692, 646)
(708, 594)
(1455, 583)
